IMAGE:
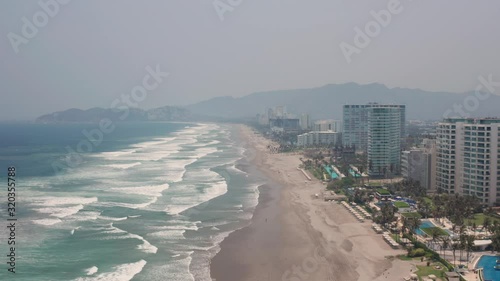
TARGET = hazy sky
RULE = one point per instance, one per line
(91, 51)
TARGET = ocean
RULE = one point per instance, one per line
(152, 201)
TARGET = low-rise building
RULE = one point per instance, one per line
(328, 125)
(319, 138)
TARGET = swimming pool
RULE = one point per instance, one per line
(488, 263)
(354, 174)
(424, 224)
(330, 171)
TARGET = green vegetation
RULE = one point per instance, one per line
(432, 255)
(316, 172)
(416, 253)
(428, 201)
(339, 184)
(406, 258)
(375, 184)
(411, 215)
(478, 219)
(435, 231)
(382, 191)
(386, 215)
(424, 271)
(400, 204)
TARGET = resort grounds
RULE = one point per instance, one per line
(302, 231)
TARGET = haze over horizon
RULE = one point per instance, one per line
(89, 53)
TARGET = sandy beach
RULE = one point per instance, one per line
(295, 236)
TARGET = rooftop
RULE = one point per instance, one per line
(483, 121)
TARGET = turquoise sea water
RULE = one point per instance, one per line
(152, 201)
(488, 263)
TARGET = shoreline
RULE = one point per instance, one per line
(294, 236)
(262, 229)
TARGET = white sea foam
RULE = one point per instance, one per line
(151, 192)
(130, 205)
(153, 143)
(112, 219)
(236, 170)
(124, 166)
(74, 229)
(176, 269)
(123, 272)
(176, 169)
(60, 212)
(145, 246)
(148, 190)
(188, 200)
(85, 216)
(214, 142)
(46, 222)
(58, 207)
(169, 234)
(114, 154)
(50, 201)
(181, 226)
(218, 223)
(149, 150)
(92, 270)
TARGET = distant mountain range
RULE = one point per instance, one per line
(327, 102)
(322, 102)
(166, 113)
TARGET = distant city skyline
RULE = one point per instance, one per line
(70, 54)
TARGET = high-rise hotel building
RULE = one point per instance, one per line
(468, 158)
(377, 130)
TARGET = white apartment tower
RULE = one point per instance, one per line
(305, 121)
(384, 140)
(468, 158)
(355, 123)
(378, 130)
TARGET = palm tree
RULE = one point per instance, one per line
(462, 240)
(496, 240)
(445, 245)
(361, 169)
(386, 214)
(404, 227)
(469, 245)
(424, 207)
(413, 224)
(486, 223)
(435, 234)
(454, 247)
(493, 227)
